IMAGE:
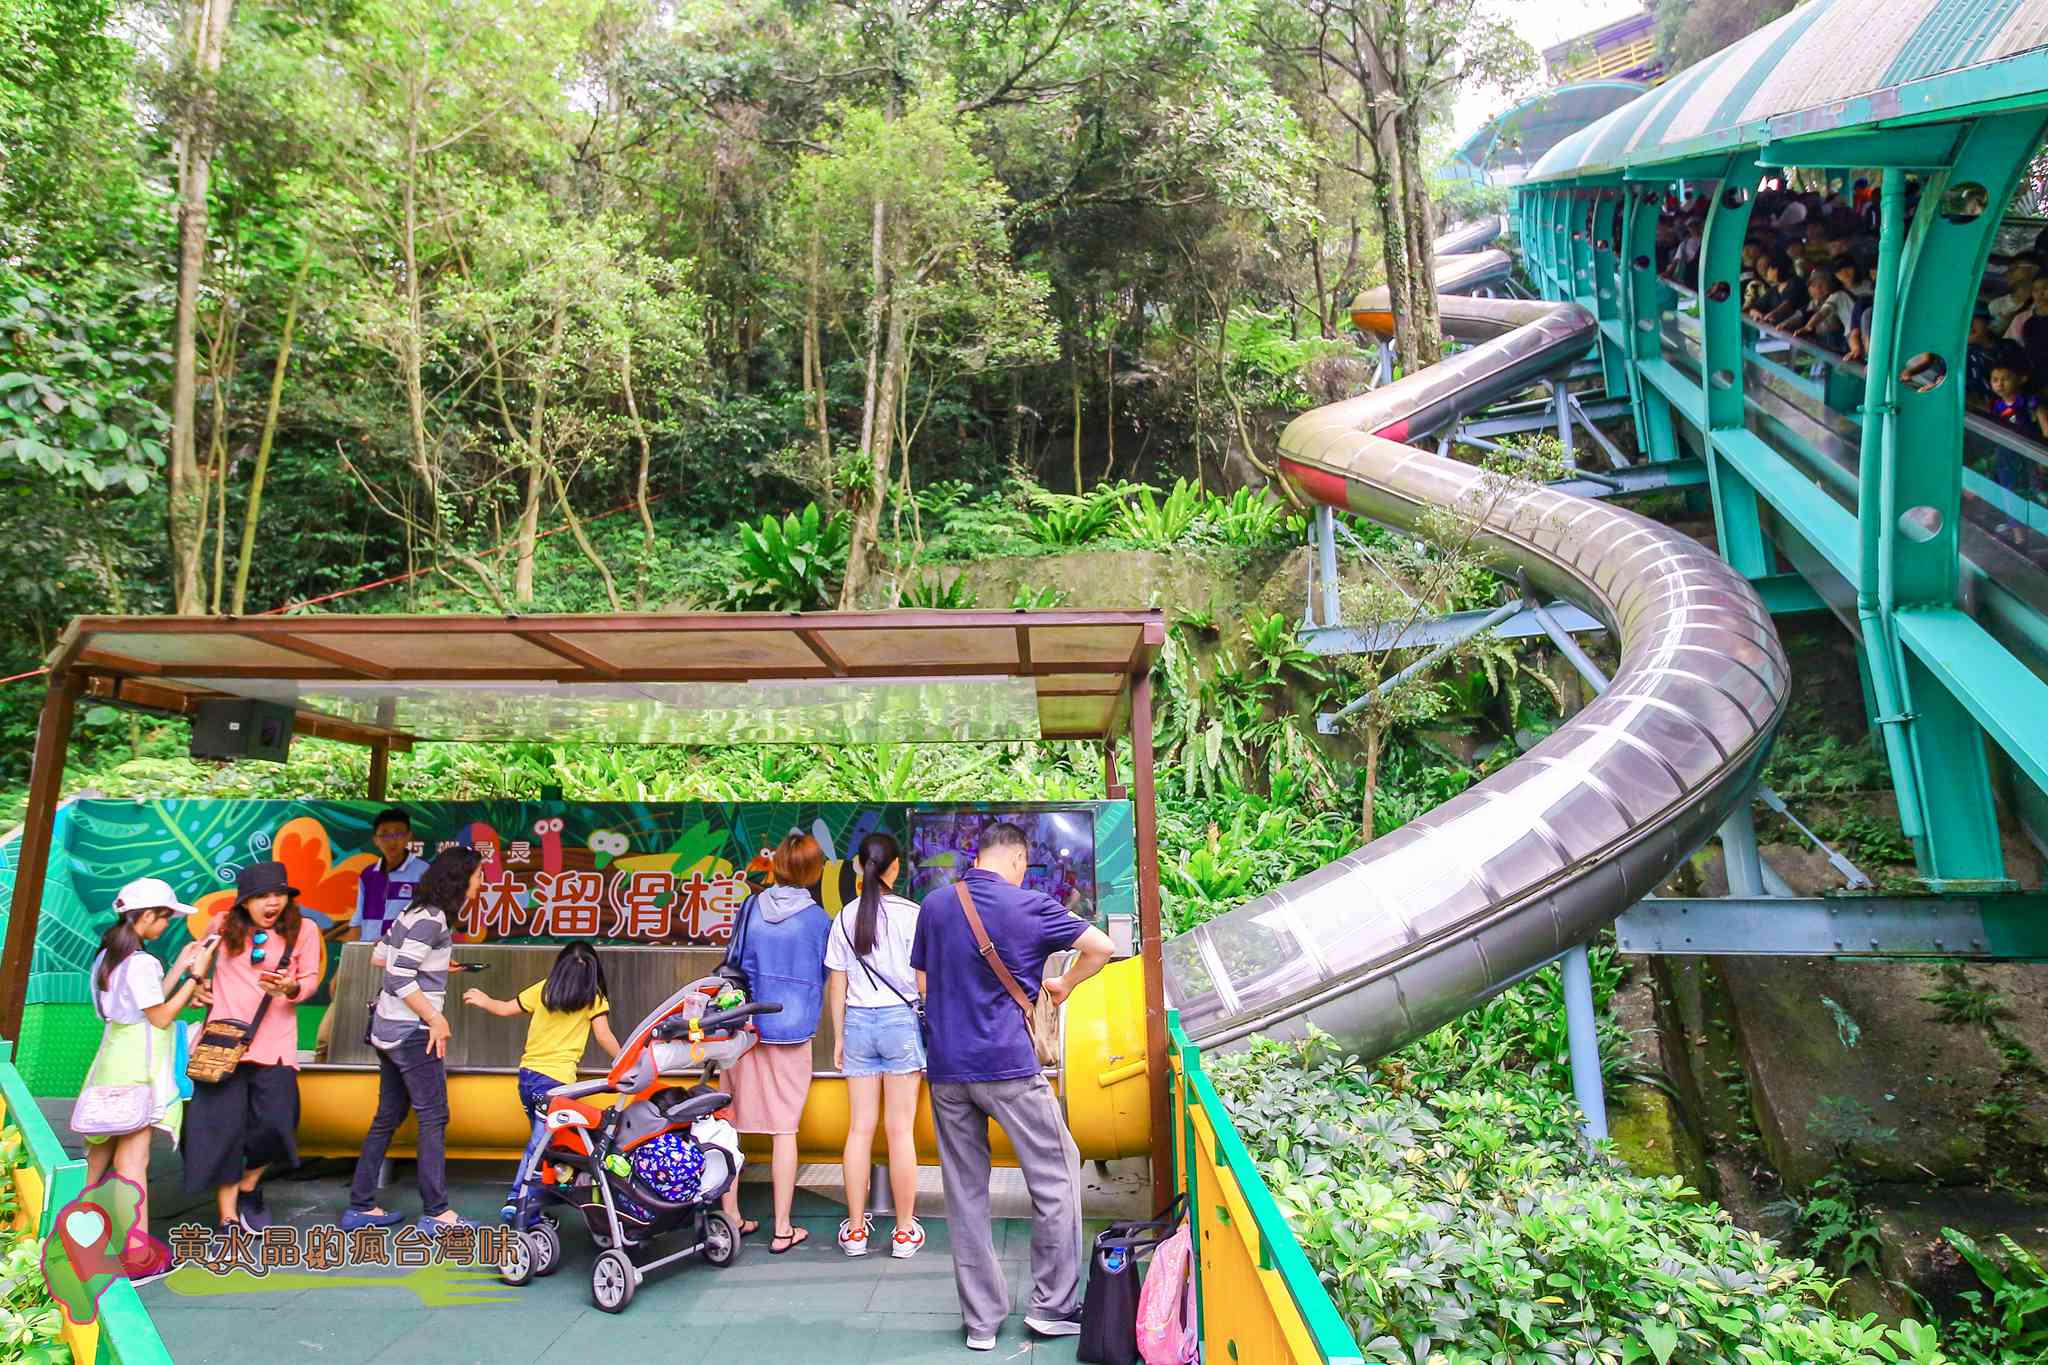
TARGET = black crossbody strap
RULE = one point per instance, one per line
(872, 976)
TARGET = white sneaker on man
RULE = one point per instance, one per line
(975, 1343)
(905, 1243)
(853, 1237)
(1046, 1325)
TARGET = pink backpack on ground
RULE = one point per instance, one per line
(1167, 1314)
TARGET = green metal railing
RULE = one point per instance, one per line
(1260, 1298)
(125, 1335)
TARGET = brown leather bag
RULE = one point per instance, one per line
(222, 1043)
(1041, 1016)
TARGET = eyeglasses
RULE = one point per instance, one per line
(256, 942)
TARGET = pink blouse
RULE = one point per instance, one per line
(236, 994)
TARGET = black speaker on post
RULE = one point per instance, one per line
(234, 728)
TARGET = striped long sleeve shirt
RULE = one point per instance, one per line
(415, 952)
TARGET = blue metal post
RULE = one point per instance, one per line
(1582, 1033)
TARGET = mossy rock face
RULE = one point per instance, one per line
(1651, 1138)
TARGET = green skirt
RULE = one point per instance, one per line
(125, 1058)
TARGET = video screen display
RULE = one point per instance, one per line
(943, 844)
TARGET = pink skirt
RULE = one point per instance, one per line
(769, 1085)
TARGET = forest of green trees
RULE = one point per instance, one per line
(299, 295)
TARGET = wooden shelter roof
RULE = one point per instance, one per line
(686, 678)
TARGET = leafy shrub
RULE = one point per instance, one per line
(29, 1317)
(1466, 1224)
(1067, 520)
(1248, 518)
(789, 565)
(2009, 1320)
(1161, 523)
(1037, 599)
(949, 594)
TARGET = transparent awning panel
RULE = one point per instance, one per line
(770, 711)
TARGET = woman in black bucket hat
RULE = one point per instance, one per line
(270, 957)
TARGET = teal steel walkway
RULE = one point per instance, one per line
(1874, 490)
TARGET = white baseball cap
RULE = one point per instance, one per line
(149, 893)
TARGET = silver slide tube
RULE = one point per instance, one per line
(1386, 943)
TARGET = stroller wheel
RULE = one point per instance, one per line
(546, 1247)
(517, 1266)
(721, 1240)
(612, 1281)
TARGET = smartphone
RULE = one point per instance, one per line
(468, 966)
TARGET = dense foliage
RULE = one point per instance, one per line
(1449, 1204)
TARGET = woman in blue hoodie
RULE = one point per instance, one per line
(782, 936)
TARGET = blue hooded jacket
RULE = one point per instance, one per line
(783, 955)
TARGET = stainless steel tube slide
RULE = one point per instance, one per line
(1385, 944)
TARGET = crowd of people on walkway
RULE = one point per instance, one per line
(1808, 271)
(913, 994)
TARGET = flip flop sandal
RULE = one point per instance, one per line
(749, 1226)
(796, 1237)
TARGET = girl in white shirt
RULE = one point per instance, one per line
(878, 1042)
(137, 1048)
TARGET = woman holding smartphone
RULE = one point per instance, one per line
(269, 958)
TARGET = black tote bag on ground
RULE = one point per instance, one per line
(1109, 1313)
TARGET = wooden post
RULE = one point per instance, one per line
(1151, 940)
(1111, 788)
(380, 770)
(45, 785)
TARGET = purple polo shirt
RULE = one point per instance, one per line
(977, 1031)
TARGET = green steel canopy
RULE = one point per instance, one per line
(1519, 136)
(1827, 66)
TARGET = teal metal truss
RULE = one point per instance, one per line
(1953, 656)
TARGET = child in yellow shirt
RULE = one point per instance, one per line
(566, 1009)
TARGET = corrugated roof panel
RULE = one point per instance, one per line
(1844, 52)
(1737, 68)
(1820, 60)
(1953, 34)
(2025, 30)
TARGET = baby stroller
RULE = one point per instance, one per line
(653, 1164)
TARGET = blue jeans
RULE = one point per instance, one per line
(533, 1098)
(408, 1078)
(882, 1040)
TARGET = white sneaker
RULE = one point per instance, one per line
(853, 1237)
(1048, 1326)
(905, 1243)
(975, 1343)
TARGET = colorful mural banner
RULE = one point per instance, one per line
(621, 872)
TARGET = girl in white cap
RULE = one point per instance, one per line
(128, 991)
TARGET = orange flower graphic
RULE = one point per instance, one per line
(324, 885)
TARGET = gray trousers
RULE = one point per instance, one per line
(1030, 1117)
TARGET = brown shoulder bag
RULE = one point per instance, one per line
(1041, 1016)
(222, 1043)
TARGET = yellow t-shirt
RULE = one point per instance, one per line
(555, 1041)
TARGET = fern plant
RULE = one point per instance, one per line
(1248, 518)
(789, 564)
(1161, 523)
(1037, 599)
(951, 594)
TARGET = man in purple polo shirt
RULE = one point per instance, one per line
(385, 889)
(981, 1066)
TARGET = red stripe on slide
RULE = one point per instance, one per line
(1394, 431)
(1319, 484)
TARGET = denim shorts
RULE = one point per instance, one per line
(882, 1040)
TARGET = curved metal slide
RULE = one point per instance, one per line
(1385, 944)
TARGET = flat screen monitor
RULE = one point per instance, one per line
(943, 845)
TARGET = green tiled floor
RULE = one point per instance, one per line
(812, 1304)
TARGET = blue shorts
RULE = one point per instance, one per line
(882, 1040)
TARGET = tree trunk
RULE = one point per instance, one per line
(639, 477)
(263, 444)
(1372, 780)
(554, 477)
(529, 517)
(814, 356)
(206, 33)
(864, 547)
(878, 293)
(1428, 321)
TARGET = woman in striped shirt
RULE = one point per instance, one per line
(410, 1033)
